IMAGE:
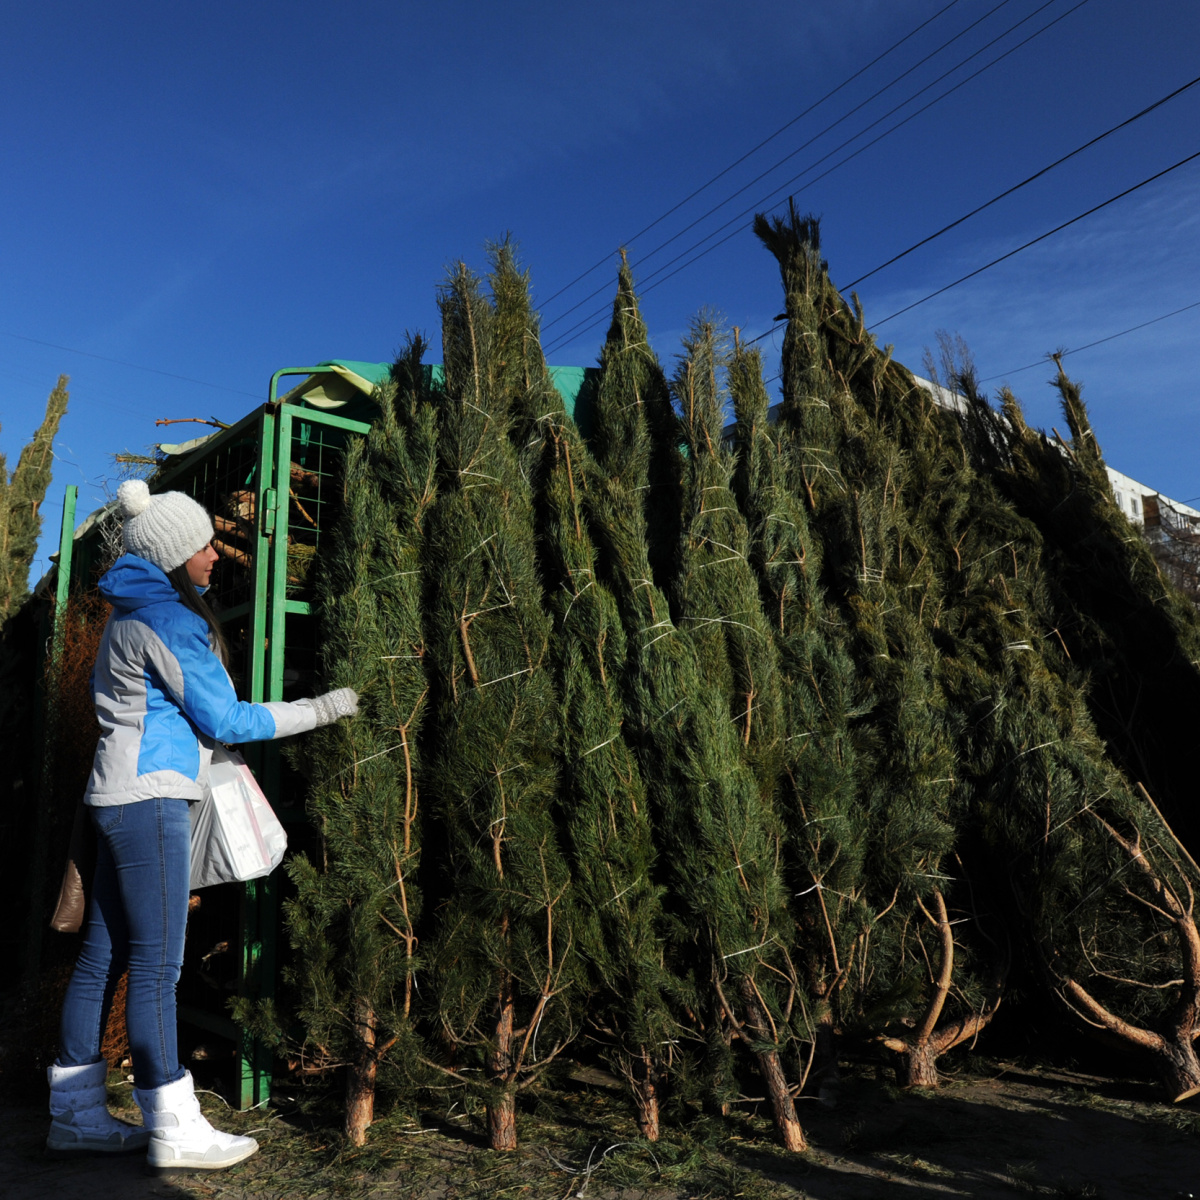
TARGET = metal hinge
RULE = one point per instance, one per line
(270, 505)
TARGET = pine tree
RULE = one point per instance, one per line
(506, 942)
(818, 785)
(354, 918)
(870, 460)
(1139, 636)
(21, 497)
(603, 811)
(719, 841)
(1103, 885)
(736, 739)
(716, 591)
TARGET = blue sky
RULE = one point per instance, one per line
(219, 191)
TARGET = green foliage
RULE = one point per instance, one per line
(1133, 639)
(505, 945)
(1102, 885)
(717, 831)
(818, 773)
(354, 918)
(731, 755)
(21, 496)
(603, 810)
(729, 742)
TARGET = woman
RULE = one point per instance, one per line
(163, 699)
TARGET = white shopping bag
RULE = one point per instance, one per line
(235, 833)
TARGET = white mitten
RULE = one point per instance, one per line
(331, 705)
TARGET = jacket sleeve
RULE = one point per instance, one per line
(200, 685)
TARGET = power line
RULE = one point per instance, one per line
(866, 146)
(1098, 342)
(220, 387)
(1017, 186)
(804, 145)
(1007, 192)
(591, 321)
(754, 150)
(1040, 238)
(1041, 362)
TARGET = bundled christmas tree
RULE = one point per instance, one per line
(717, 831)
(738, 739)
(877, 464)
(604, 812)
(818, 782)
(505, 944)
(354, 919)
(1138, 636)
(1104, 886)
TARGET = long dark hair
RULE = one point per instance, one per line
(196, 602)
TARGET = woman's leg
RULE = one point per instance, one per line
(137, 919)
(151, 845)
(181, 1138)
(101, 963)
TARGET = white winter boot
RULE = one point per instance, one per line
(80, 1121)
(180, 1138)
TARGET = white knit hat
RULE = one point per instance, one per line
(166, 529)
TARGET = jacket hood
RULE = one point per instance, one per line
(133, 582)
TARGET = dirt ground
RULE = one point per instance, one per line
(999, 1131)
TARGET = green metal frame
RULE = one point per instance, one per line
(276, 428)
(66, 553)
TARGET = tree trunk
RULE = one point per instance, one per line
(645, 1098)
(501, 1114)
(778, 1091)
(360, 1100)
(1175, 1051)
(1179, 1067)
(360, 1079)
(921, 1063)
(919, 1053)
(781, 1101)
(502, 1123)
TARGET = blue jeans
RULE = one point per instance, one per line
(136, 920)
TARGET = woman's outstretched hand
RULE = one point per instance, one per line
(340, 703)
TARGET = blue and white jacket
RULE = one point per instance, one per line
(163, 698)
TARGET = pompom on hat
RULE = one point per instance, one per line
(166, 529)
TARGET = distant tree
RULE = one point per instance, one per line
(1175, 545)
(21, 496)
(23, 660)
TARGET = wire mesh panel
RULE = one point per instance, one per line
(315, 452)
(226, 476)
